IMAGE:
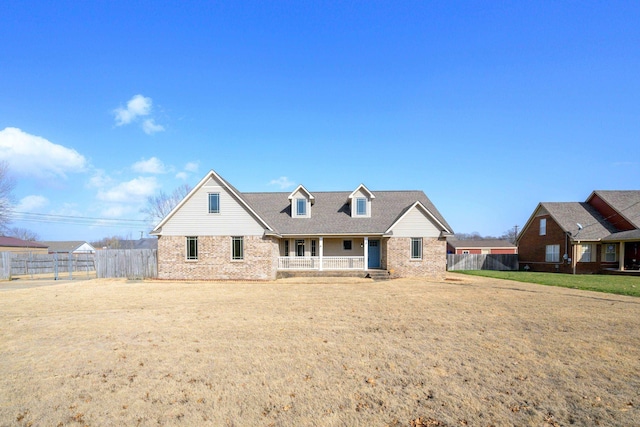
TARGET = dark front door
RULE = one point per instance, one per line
(374, 254)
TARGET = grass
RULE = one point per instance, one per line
(469, 351)
(621, 285)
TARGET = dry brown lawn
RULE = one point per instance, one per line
(468, 351)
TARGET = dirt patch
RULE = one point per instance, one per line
(285, 353)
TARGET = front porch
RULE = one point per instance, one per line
(321, 263)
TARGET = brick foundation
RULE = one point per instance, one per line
(214, 259)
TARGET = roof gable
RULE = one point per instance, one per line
(625, 203)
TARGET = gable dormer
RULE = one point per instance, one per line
(301, 202)
(360, 201)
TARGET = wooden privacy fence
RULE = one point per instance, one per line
(482, 262)
(129, 263)
(29, 264)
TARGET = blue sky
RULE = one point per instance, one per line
(488, 107)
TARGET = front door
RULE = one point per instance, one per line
(374, 254)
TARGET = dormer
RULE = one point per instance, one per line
(301, 202)
(360, 201)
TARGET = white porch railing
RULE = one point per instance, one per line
(328, 263)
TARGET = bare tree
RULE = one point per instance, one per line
(159, 206)
(6, 198)
(22, 233)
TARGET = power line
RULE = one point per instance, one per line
(77, 220)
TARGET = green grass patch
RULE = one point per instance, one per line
(622, 285)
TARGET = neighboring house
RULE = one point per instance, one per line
(484, 246)
(13, 244)
(146, 243)
(76, 247)
(602, 233)
(217, 232)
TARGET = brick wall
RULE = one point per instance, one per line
(433, 262)
(214, 259)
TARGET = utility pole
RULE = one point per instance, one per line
(515, 235)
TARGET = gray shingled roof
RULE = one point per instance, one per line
(331, 213)
(623, 235)
(484, 243)
(568, 214)
(626, 202)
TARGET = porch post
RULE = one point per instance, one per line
(321, 250)
(366, 253)
(621, 260)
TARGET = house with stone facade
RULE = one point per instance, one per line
(218, 232)
(601, 234)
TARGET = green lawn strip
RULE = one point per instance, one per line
(622, 285)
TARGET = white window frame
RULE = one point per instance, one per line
(361, 202)
(552, 253)
(301, 202)
(240, 255)
(543, 226)
(608, 253)
(189, 256)
(216, 196)
(586, 253)
(416, 248)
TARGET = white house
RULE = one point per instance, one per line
(217, 232)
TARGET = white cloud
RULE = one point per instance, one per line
(153, 165)
(149, 126)
(31, 155)
(131, 191)
(31, 203)
(192, 166)
(283, 182)
(137, 106)
(182, 175)
(99, 179)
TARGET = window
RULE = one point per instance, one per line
(301, 207)
(585, 253)
(552, 253)
(300, 247)
(286, 248)
(346, 245)
(214, 202)
(313, 248)
(361, 206)
(237, 248)
(416, 248)
(192, 248)
(610, 254)
(543, 226)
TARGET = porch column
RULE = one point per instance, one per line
(366, 253)
(321, 250)
(621, 260)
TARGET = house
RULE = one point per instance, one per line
(218, 232)
(602, 233)
(13, 244)
(74, 246)
(483, 246)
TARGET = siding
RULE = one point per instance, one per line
(194, 219)
(415, 224)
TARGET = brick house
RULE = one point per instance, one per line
(602, 233)
(218, 232)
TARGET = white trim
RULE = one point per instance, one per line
(302, 189)
(365, 189)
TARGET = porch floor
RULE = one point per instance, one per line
(621, 272)
(284, 274)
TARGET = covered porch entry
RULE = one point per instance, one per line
(342, 253)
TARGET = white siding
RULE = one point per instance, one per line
(194, 219)
(416, 224)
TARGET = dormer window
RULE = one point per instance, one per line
(360, 201)
(301, 207)
(361, 206)
(301, 202)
